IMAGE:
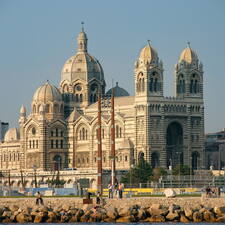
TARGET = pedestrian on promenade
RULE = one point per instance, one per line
(110, 189)
(39, 199)
(98, 198)
(120, 190)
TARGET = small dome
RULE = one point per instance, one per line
(11, 135)
(148, 54)
(188, 55)
(47, 93)
(118, 91)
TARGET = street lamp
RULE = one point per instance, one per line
(170, 169)
(178, 153)
(35, 175)
(131, 168)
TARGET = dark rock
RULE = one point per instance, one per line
(156, 218)
(209, 216)
(197, 217)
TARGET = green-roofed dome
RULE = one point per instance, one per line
(118, 91)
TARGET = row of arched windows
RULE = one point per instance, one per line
(194, 86)
(33, 144)
(79, 98)
(56, 108)
(13, 156)
(154, 85)
(56, 133)
(83, 133)
(55, 144)
(93, 98)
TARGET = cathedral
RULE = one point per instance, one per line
(60, 132)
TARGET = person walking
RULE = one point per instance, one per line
(39, 199)
(120, 190)
(110, 191)
(98, 198)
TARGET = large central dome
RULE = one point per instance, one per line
(82, 65)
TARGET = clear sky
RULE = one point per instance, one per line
(36, 38)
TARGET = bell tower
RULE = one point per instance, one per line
(189, 75)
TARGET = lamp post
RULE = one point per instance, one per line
(35, 175)
(131, 168)
(178, 153)
(170, 169)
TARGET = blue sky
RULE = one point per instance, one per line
(36, 38)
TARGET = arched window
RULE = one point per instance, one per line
(91, 98)
(194, 84)
(81, 98)
(156, 85)
(118, 131)
(83, 134)
(76, 98)
(103, 133)
(34, 108)
(56, 108)
(151, 84)
(95, 98)
(143, 84)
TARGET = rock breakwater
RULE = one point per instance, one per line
(123, 211)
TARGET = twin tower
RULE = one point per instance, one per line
(82, 76)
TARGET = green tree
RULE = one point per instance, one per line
(182, 170)
(157, 173)
(141, 173)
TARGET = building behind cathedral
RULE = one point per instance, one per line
(61, 130)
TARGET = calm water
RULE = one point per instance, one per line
(170, 223)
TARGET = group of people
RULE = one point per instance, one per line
(210, 192)
(116, 190)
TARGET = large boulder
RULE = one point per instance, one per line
(124, 211)
(156, 218)
(53, 217)
(13, 208)
(188, 212)
(142, 214)
(197, 217)
(158, 210)
(126, 219)
(112, 212)
(170, 193)
(23, 218)
(220, 211)
(220, 219)
(173, 215)
(209, 216)
(183, 218)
